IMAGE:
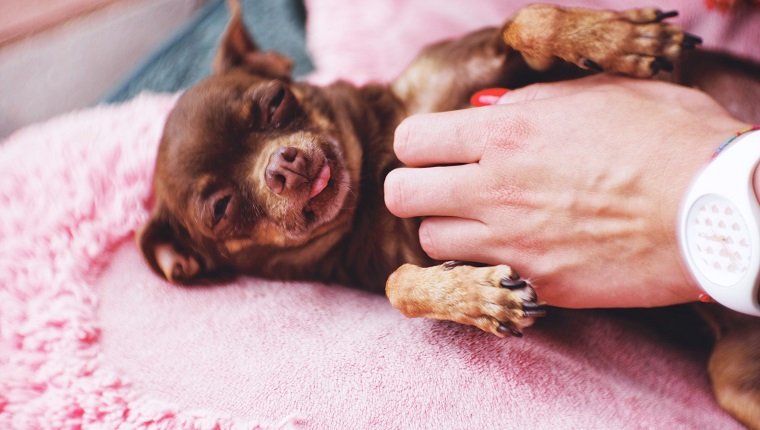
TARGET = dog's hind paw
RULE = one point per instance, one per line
(636, 42)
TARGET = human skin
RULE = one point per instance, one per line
(576, 185)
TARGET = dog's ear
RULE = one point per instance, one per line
(237, 50)
(166, 255)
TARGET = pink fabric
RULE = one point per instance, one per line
(89, 337)
(367, 41)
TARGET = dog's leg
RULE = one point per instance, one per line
(734, 369)
(492, 298)
(635, 42)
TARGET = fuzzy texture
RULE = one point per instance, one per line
(90, 338)
(73, 189)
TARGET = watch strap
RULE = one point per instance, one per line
(730, 175)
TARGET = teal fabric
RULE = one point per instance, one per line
(186, 57)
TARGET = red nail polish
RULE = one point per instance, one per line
(487, 97)
(705, 298)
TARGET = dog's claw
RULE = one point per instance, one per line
(533, 305)
(534, 312)
(660, 15)
(456, 263)
(513, 284)
(661, 64)
(452, 264)
(591, 65)
(690, 41)
(532, 309)
(506, 329)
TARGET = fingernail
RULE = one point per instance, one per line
(487, 97)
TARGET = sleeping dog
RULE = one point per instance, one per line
(257, 174)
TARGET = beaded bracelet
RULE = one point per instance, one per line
(728, 141)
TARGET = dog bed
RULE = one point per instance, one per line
(91, 338)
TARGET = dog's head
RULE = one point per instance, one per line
(248, 165)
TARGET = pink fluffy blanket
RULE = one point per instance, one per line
(89, 337)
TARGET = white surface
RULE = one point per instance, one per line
(72, 65)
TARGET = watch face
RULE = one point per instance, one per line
(718, 240)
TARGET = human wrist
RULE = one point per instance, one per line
(756, 183)
(719, 224)
(690, 150)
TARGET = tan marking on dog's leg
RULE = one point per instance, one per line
(734, 369)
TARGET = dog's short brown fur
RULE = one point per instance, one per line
(260, 175)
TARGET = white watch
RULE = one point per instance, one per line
(719, 231)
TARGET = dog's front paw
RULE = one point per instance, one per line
(636, 42)
(492, 298)
(527, 300)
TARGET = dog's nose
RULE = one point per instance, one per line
(286, 170)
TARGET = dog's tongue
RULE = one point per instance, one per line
(320, 181)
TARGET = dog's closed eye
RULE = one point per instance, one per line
(276, 102)
(281, 106)
(272, 105)
(219, 209)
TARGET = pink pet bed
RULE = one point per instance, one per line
(91, 338)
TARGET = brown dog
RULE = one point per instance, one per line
(260, 175)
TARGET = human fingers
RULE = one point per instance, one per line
(433, 191)
(449, 238)
(455, 137)
(543, 91)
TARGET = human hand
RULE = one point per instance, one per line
(576, 185)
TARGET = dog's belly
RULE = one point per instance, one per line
(734, 83)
